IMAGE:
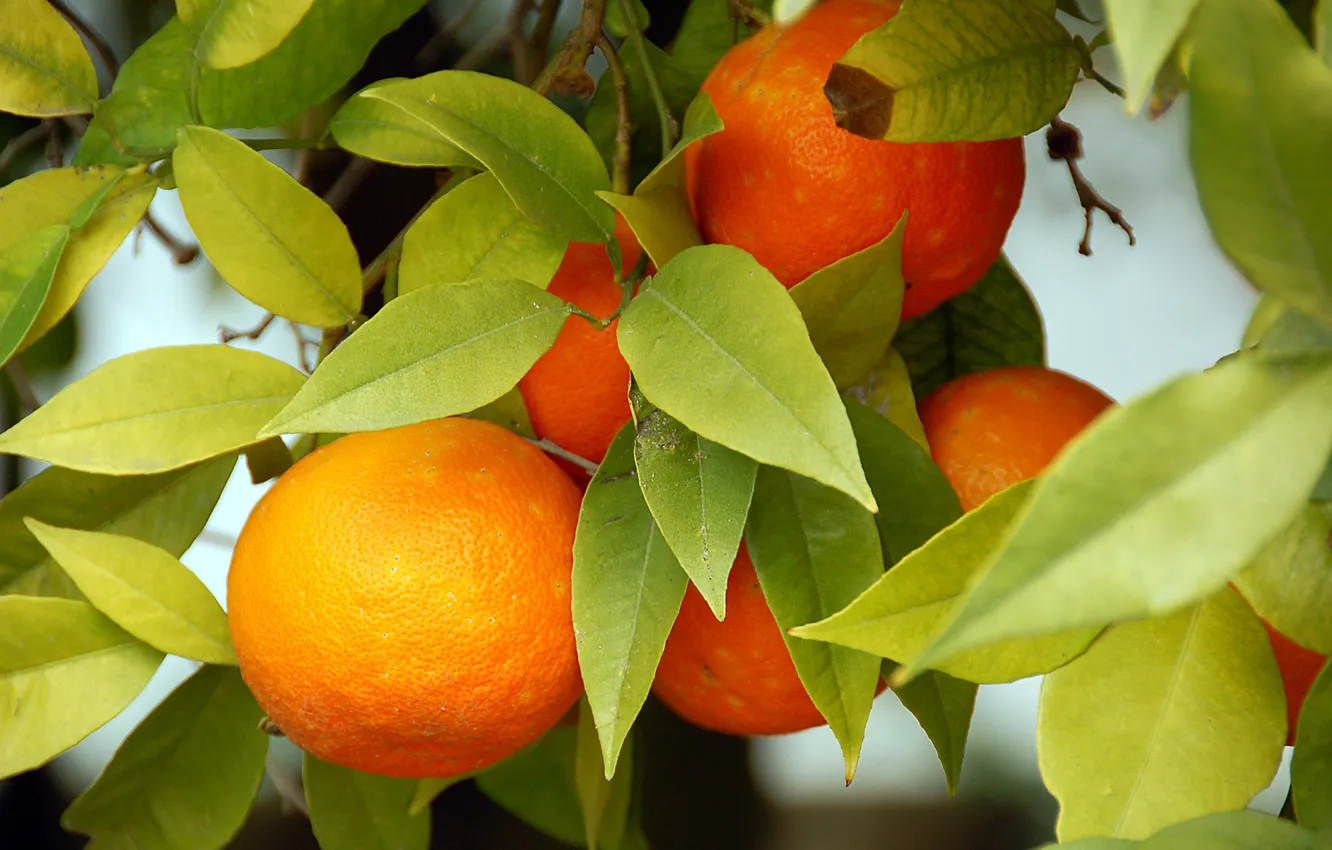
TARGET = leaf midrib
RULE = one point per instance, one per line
(179, 411)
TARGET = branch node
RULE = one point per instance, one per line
(1064, 142)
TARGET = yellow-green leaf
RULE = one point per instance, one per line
(899, 614)
(232, 33)
(271, 238)
(1289, 583)
(473, 232)
(350, 810)
(65, 670)
(701, 119)
(1247, 830)
(660, 219)
(955, 70)
(378, 130)
(886, 389)
(144, 590)
(27, 267)
(156, 410)
(44, 69)
(1161, 721)
(1143, 34)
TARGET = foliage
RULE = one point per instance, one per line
(783, 418)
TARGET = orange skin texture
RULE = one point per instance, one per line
(1299, 667)
(989, 430)
(400, 600)
(785, 183)
(577, 393)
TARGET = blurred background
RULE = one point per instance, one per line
(1125, 319)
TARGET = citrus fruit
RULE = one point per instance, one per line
(577, 394)
(399, 600)
(990, 430)
(785, 183)
(734, 676)
(1299, 667)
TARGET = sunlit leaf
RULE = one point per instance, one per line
(1161, 721)
(376, 129)
(716, 342)
(627, 589)
(955, 70)
(1156, 505)
(156, 410)
(1289, 583)
(350, 810)
(432, 353)
(1143, 35)
(1233, 831)
(473, 232)
(149, 100)
(1259, 136)
(700, 120)
(27, 267)
(65, 670)
(44, 68)
(271, 238)
(815, 550)
(660, 220)
(185, 778)
(231, 33)
(142, 589)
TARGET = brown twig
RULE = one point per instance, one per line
(670, 128)
(517, 35)
(229, 335)
(181, 253)
(539, 43)
(99, 45)
(303, 347)
(1089, 68)
(1063, 141)
(357, 170)
(55, 145)
(567, 71)
(748, 15)
(621, 160)
(18, 376)
(21, 143)
(550, 448)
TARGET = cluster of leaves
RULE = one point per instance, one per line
(782, 419)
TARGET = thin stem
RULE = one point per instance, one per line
(522, 60)
(347, 182)
(577, 49)
(18, 376)
(748, 15)
(627, 285)
(21, 143)
(228, 335)
(1064, 141)
(621, 160)
(303, 346)
(539, 43)
(550, 448)
(1089, 68)
(181, 253)
(99, 45)
(55, 148)
(670, 129)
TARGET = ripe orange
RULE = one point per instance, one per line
(785, 183)
(1299, 667)
(990, 430)
(734, 676)
(577, 394)
(399, 600)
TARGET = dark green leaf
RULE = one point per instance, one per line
(149, 101)
(705, 34)
(350, 810)
(267, 460)
(185, 778)
(537, 786)
(943, 706)
(1311, 767)
(27, 267)
(604, 802)
(815, 550)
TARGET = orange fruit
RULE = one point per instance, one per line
(990, 430)
(734, 676)
(1299, 667)
(399, 600)
(577, 394)
(785, 183)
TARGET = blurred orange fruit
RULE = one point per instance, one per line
(400, 600)
(1299, 667)
(785, 183)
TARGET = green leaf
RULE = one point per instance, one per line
(716, 342)
(432, 353)
(1232, 831)
(700, 120)
(1290, 333)
(538, 153)
(537, 786)
(96, 146)
(706, 33)
(270, 237)
(1323, 31)
(509, 411)
(898, 615)
(312, 64)
(1311, 767)
(604, 802)
(27, 267)
(886, 389)
(627, 590)
(167, 510)
(53, 197)
(350, 810)
(992, 324)
(915, 500)
(267, 460)
(699, 493)
(943, 706)
(44, 69)
(378, 130)
(156, 410)
(815, 550)
(65, 670)
(185, 778)
(1094, 844)
(1161, 721)
(955, 70)
(620, 23)
(142, 589)
(1156, 505)
(428, 789)
(1259, 138)
(1143, 35)
(475, 232)
(149, 100)
(852, 306)
(232, 33)
(660, 220)
(1289, 583)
